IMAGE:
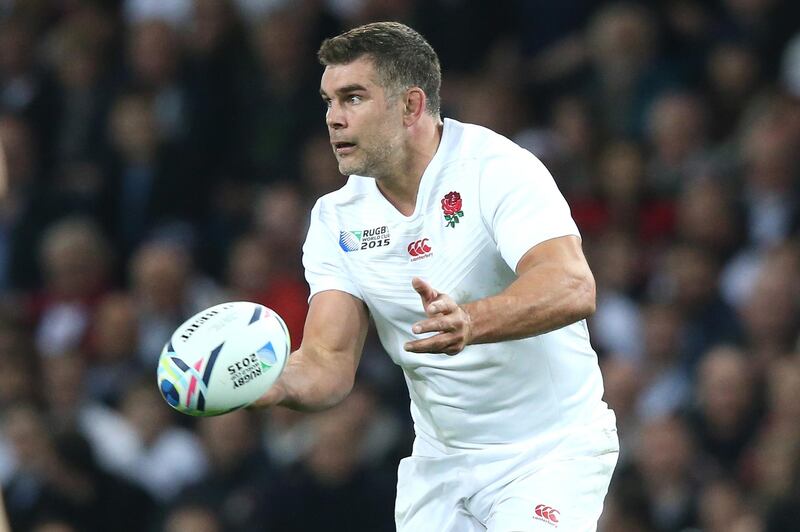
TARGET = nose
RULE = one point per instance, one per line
(334, 118)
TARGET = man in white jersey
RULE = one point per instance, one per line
(459, 245)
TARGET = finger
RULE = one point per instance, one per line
(439, 324)
(442, 305)
(446, 343)
(425, 291)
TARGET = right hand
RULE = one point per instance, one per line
(445, 317)
(271, 397)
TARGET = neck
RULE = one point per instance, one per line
(401, 188)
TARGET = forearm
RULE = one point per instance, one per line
(311, 382)
(321, 373)
(543, 299)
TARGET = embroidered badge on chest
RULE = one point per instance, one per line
(364, 239)
(420, 249)
(451, 206)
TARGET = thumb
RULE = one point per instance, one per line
(274, 395)
(426, 292)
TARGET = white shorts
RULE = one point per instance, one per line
(496, 491)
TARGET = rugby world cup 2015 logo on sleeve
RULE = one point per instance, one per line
(364, 239)
(349, 240)
(451, 207)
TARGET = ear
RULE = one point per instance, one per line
(415, 101)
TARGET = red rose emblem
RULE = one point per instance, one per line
(451, 203)
(451, 206)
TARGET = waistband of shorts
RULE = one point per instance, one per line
(588, 439)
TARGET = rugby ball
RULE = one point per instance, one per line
(223, 358)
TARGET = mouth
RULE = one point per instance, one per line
(343, 148)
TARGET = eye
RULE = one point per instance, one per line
(326, 102)
(354, 99)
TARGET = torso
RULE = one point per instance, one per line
(488, 394)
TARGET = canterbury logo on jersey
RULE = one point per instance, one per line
(548, 514)
(419, 249)
(364, 239)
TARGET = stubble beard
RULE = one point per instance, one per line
(374, 162)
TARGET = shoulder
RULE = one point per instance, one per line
(355, 191)
(484, 147)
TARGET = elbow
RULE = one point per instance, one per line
(585, 297)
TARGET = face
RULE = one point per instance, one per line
(364, 125)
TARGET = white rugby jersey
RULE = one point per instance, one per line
(483, 202)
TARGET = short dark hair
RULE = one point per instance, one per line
(402, 57)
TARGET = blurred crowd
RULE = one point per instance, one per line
(163, 156)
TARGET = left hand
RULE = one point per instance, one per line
(445, 317)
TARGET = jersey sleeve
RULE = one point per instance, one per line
(521, 205)
(322, 259)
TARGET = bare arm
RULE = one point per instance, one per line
(555, 287)
(321, 372)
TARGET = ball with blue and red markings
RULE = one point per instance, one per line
(223, 358)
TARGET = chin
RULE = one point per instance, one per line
(350, 169)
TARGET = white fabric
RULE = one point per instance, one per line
(499, 490)
(536, 390)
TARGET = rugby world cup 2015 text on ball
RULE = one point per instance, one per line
(245, 370)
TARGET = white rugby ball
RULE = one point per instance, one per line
(223, 358)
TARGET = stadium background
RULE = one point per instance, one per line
(164, 155)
